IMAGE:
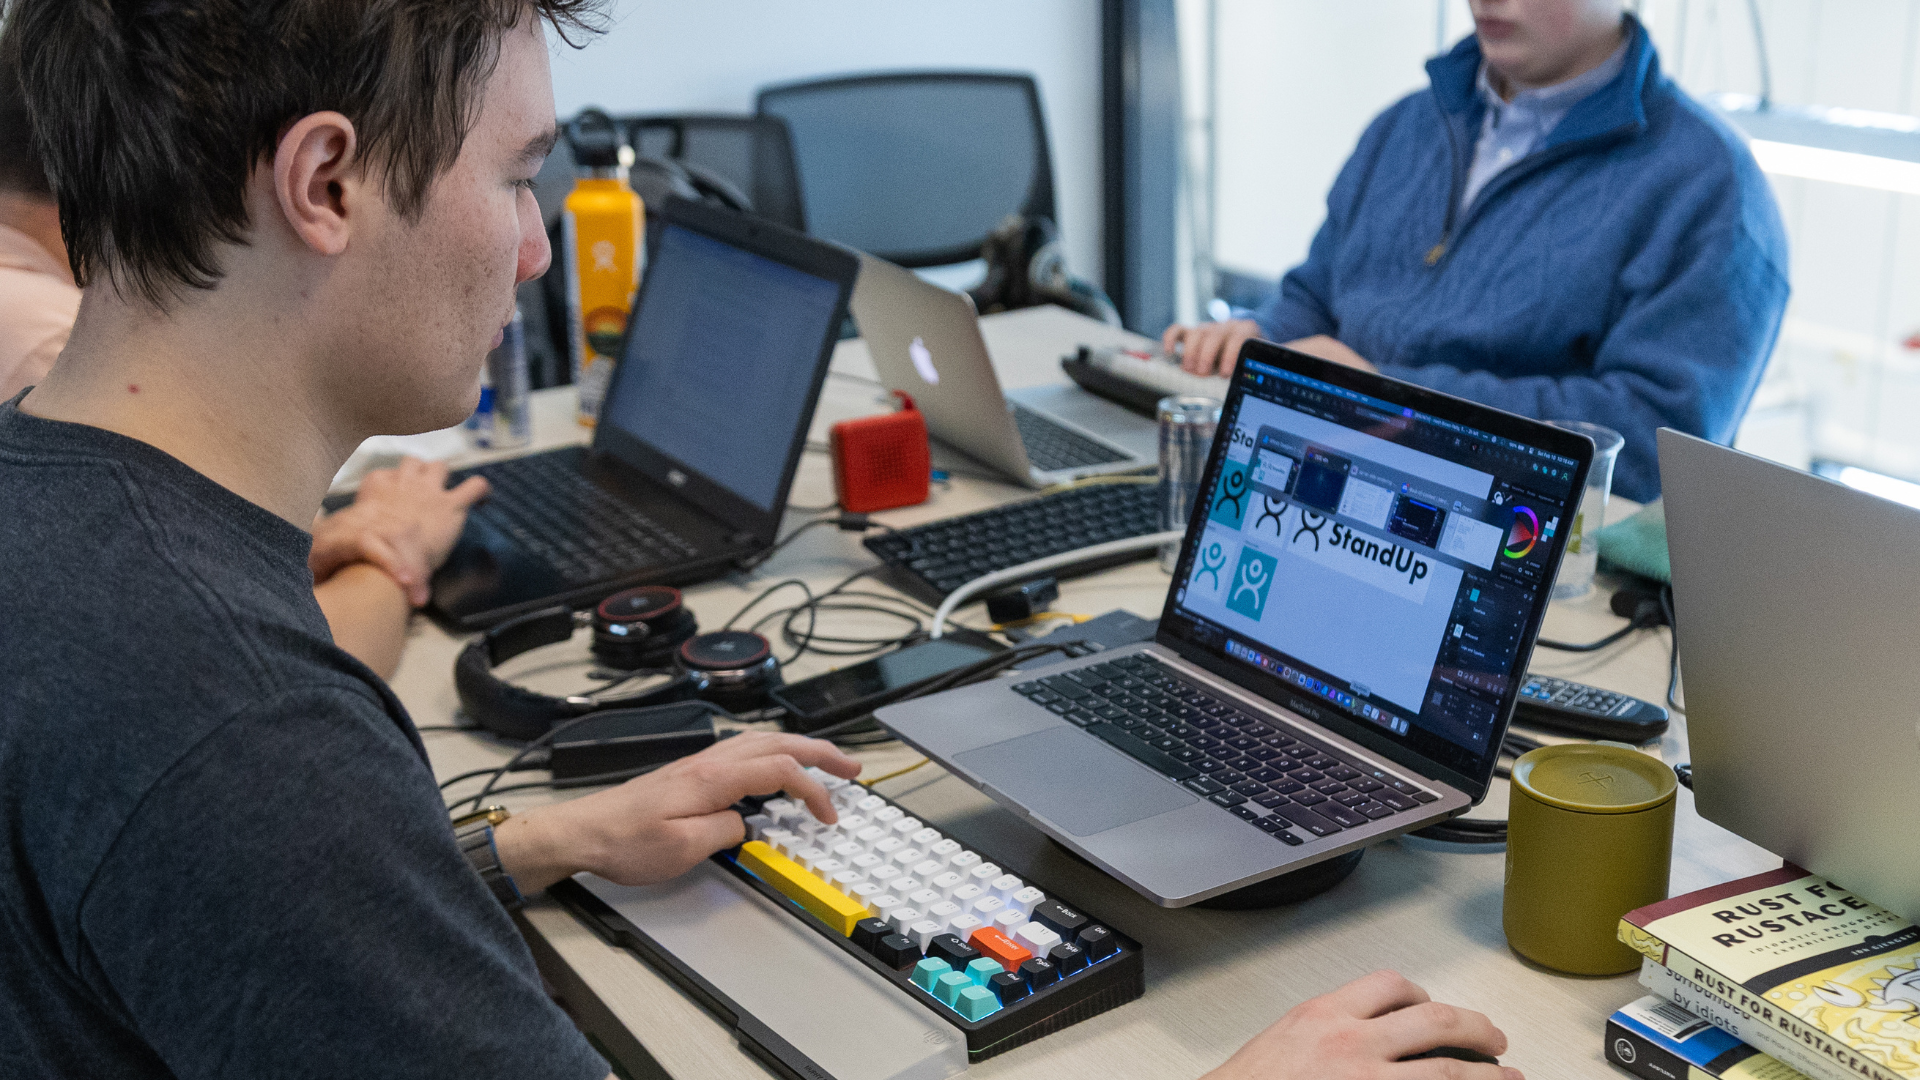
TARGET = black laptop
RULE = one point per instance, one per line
(699, 436)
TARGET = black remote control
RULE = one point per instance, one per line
(1572, 708)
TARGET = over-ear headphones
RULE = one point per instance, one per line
(638, 630)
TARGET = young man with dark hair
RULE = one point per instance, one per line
(297, 223)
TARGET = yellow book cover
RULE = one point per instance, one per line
(1799, 953)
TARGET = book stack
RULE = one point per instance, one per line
(1823, 981)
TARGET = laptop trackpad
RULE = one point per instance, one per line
(1073, 780)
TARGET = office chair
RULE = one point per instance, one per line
(745, 162)
(918, 168)
(752, 155)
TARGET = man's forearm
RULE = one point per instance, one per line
(368, 613)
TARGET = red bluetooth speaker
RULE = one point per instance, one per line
(880, 462)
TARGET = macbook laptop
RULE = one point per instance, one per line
(1349, 624)
(926, 342)
(1797, 611)
(699, 435)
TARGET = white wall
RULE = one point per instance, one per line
(710, 55)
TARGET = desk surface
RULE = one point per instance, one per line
(1213, 978)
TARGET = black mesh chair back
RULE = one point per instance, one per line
(754, 153)
(917, 167)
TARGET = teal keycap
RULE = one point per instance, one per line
(977, 1002)
(983, 969)
(927, 972)
(948, 988)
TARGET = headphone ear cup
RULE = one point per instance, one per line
(661, 622)
(500, 706)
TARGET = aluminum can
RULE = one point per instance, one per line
(1187, 427)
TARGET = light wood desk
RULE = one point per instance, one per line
(1213, 978)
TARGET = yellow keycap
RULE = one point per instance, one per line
(823, 901)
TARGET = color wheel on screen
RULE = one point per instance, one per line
(1524, 533)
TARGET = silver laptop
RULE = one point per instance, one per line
(1797, 606)
(1349, 623)
(926, 342)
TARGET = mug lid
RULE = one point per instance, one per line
(1593, 779)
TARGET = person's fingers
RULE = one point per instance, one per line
(469, 491)
(702, 836)
(802, 748)
(1210, 350)
(1376, 995)
(1198, 345)
(1419, 1028)
(1170, 341)
(1235, 344)
(713, 784)
(435, 473)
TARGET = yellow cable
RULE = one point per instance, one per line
(894, 773)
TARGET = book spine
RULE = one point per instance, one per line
(1643, 1057)
(1802, 1047)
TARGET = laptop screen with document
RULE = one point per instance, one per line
(719, 362)
(1376, 552)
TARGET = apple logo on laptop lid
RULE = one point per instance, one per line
(923, 362)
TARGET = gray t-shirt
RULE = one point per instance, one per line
(222, 852)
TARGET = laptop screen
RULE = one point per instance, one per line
(1374, 558)
(723, 334)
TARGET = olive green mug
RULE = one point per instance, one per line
(1589, 838)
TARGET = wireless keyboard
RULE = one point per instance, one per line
(929, 561)
(988, 953)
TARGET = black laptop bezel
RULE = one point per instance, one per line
(769, 240)
(1573, 445)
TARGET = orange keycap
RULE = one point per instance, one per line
(998, 947)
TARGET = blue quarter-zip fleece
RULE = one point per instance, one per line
(1630, 271)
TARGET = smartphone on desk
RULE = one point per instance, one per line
(853, 691)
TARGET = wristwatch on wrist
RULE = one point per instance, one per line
(474, 834)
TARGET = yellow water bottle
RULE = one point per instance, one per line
(602, 238)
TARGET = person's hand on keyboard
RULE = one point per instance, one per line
(658, 826)
(1364, 1031)
(1209, 348)
(403, 520)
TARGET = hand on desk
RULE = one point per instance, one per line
(404, 520)
(658, 826)
(1212, 348)
(1362, 1031)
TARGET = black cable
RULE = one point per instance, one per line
(1462, 830)
(827, 509)
(445, 784)
(1589, 646)
(595, 780)
(1673, 650)
(446, 727)
(764, 593)
(536, 744)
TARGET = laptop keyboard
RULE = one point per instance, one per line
(562, 517)
(934, 559)
(1051, 447)
(1283, 784)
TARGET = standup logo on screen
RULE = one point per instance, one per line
(1402, 560)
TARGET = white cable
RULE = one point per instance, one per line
(1028, 570)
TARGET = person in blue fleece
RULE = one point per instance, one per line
(1552, 228)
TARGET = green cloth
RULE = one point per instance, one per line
(1639, 543)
